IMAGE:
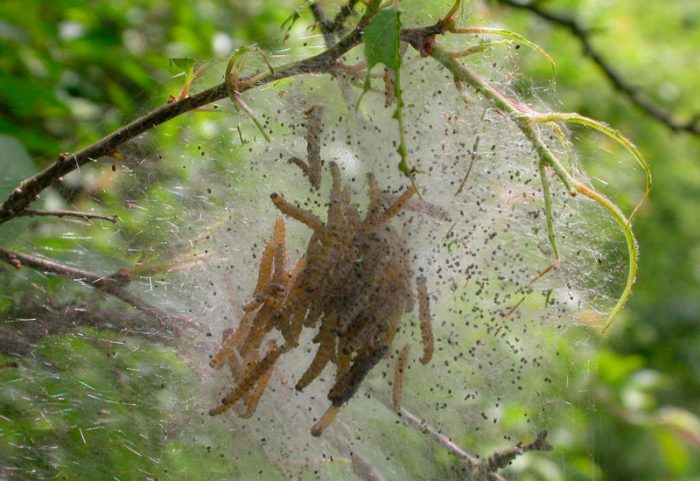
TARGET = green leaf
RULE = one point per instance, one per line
(382, 39)
(674, 451)
(186, 65)
(614, 368)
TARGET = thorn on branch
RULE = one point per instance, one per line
(121, 277)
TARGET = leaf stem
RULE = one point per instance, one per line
(525, 119)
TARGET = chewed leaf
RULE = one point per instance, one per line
(610, 132)
(382, 38)
(185, 65)
(508, 34)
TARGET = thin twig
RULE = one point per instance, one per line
(502, 459)
(487, 467)
(634, 94)
(473, 157)
(426, 428)
(67, 213)
(331, 31)
(442, 439)
(113, 284)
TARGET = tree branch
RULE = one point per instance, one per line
(345, 11)
(502, 459)
(480, 468)
(441, 439)
(17, 203)
(488, 467)
(38, 322)
(634, 94)
(113, 284)
(29, 189)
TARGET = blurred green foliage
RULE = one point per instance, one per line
(647, 391)
(72, 72)
(97, 405)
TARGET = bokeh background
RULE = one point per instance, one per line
(71, 72)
